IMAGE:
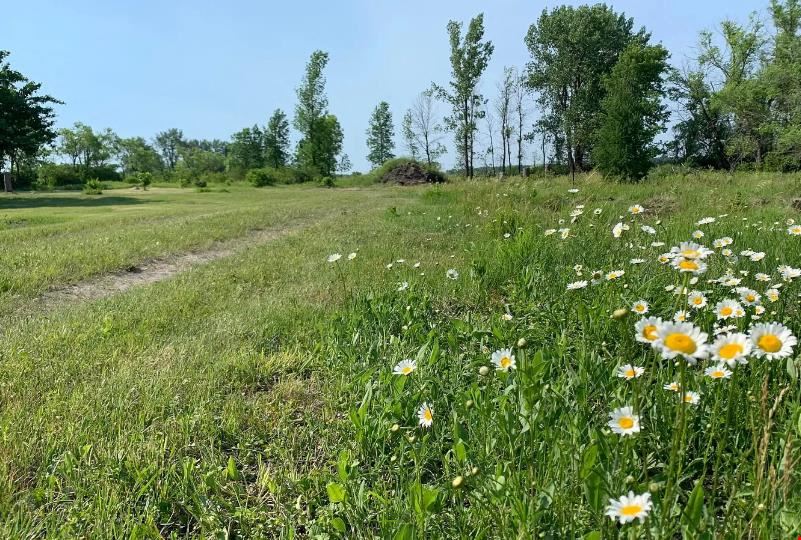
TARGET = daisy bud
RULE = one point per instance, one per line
(619, 313)
(412, 438)
(761, 506)
(629, 479)
(393, 459)
(394, 428)
(468, 404)
(653, 487)
(483, 371)
(457, 482)
(521, 343)
(474, 471)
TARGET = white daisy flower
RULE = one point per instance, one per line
(794, 230)
(404, 367)
(646, 329)
(696, 300)
(761, 277)
(425, 415)
(726, 309)
(629, 507)
(334, 257)
(504, 360)
(693, 398)
(624, 422)
(576, 285)
(705, 221)
(732, 349)
(648, 229)
(640, 307)
(629, 371)
(452, 274)
(614, 274)
(717, 372)
(689, 265)
(749, 297)
(673, 387)
(636, 209)
(772, 341)
(682, 339)
(617, 230)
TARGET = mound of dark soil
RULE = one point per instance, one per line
(410, 174)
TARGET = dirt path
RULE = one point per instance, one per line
(154, 270)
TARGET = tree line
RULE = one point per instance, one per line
(594, 94)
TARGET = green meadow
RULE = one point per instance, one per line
(253, 396)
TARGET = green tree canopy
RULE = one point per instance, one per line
(276, 140)
(632, 112)
(572, 50)
(26, 116)
(380, 133)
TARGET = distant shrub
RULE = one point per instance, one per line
(216, 178)
(666, 170)
(200, 182)
(262, 177)
(60, 175)
(327, 181)
(779, 162)
(93, 187)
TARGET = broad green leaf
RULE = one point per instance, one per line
(695, 506)
(336, 492)
(338, 524)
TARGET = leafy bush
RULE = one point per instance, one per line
(327, 181)
(779, 162)
(59, 175)
(262, 177)
(93, 187)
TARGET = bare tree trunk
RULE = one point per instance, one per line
(8, 185)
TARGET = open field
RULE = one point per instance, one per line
(252, 395)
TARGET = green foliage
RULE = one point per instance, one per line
(262, 177)
(246, 150)
(137, 156)
(169, 143)
(380, 133)
(93, 187)
(85, 148)
(27, 117)
(632, 113)
(321, 134)
(276, 140)
(572, 50)
(469, 58)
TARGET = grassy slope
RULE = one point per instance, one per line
(219, 400)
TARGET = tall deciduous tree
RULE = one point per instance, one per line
(136, 155)
(503, 106)
(86, 148)
(470, 55)
(421, 131)
(632, 112)
(572, 50)
(169, 143)
(26, 117)
(380, 134)
(246, 150)
(310, 118)
(276, 140)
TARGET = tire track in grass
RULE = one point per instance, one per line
(152, 270)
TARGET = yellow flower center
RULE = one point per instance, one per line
(649, 332)
(726, 311)
(427, 415)
(717, 374)
(687, 264)
(750, 297)
(631, 510)
(629, 373)
(626, 422)
(769, 343)
(688, 398)
(506, 362)
(681, 342)
(730, 350)
(690, 253)
(406, 370)
(698, 300)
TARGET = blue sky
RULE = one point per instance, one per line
(212, 67)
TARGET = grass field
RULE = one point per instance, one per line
(254, 396)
